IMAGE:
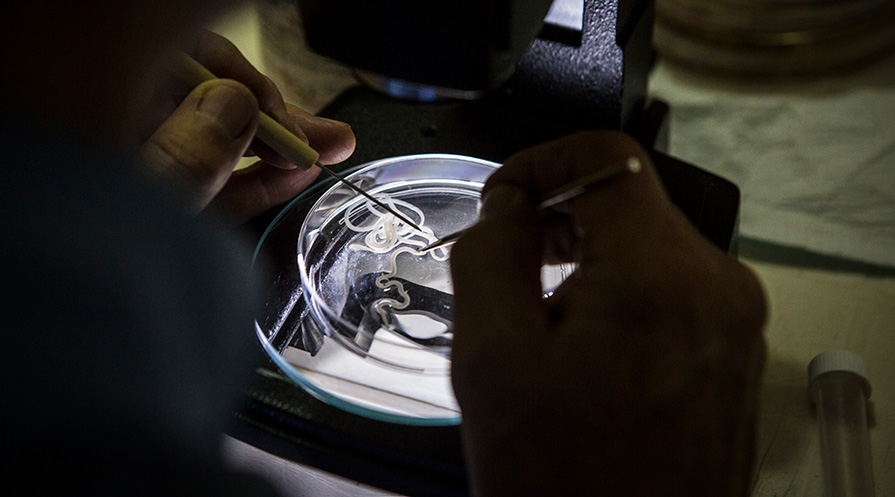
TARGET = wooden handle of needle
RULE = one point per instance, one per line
(272, 133)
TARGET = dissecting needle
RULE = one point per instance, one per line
(277, 137)
(561, 194)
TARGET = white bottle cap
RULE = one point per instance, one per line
(844, 361)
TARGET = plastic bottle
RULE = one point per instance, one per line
(838, 386)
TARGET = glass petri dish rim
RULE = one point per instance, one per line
(291, 372)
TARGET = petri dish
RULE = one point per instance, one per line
(356, 314)
(363, 319)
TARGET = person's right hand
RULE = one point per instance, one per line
(639, 375)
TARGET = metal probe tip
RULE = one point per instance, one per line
(368, 196)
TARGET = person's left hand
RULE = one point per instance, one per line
(193, 138)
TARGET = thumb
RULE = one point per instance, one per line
(196, 149)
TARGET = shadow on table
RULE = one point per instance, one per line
(762, 251)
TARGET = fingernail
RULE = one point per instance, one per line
(505, 200)
(229, 107)
(336, 124)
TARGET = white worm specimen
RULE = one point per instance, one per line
(387, 233)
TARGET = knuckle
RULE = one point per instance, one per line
(751, 310)
(743, 297)
(755, 297)
(271, 88)
(216, 48)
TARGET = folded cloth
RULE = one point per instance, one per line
(814, 159)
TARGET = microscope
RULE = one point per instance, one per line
(485, 79)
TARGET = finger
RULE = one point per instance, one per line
(496, 269)
(612, 216)
(333, 140)
(199, 145)
(256, 189)
(166, 85)
(224, 59)
(546, 167)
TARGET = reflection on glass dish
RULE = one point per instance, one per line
(361, 318)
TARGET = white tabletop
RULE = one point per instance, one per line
(817, 303)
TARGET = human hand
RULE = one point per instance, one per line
(639, 375)
(194, 137)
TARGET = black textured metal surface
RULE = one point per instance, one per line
(596, 80)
